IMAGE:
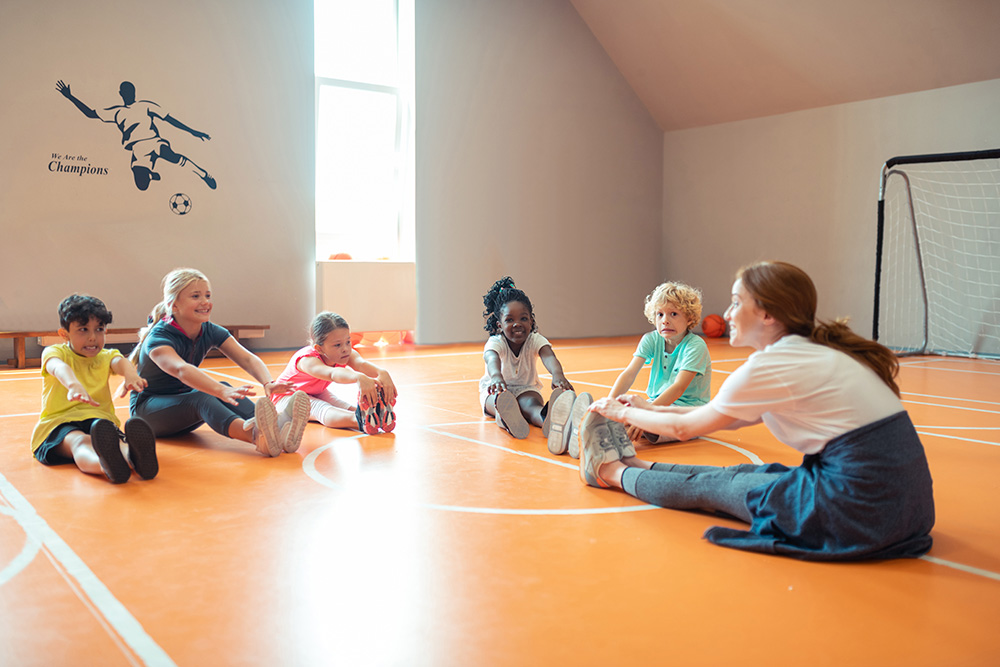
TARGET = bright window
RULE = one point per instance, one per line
(364, 129)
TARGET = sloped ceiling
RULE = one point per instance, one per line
(702, 62)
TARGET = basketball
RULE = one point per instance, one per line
(340, 255)
(713, 326)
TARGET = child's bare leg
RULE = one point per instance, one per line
(333, 417)
(238, 431)
(531, 405)
(490, 406)
(77, 446)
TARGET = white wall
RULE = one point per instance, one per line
(239, 71)
(534, 159)
(803, 187)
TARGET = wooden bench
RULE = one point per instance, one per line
(113, 336)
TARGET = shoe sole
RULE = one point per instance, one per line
(580, 407)
(510, 417)
(141, 448)
(266, 418)
(547, 422)
(558, 418)
(300, 405)
(104, 439)
(386, 417)
(370, 417)
(588, 471)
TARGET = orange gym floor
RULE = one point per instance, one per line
(450, 543)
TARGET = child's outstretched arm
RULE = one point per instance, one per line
(171, 363)
(380, 375)
(495, 371)
(253, 365)
(61, 371)
(552, 364)
(132, 381)
(669, 395)
(367, 385)
(627, 377)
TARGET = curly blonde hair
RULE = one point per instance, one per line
(686, 298)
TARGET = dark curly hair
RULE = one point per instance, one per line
(80, 308)
(502, 293)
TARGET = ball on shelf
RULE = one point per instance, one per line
(341, 255)
(713, 326)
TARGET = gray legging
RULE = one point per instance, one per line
(177, 414)
(684, 487)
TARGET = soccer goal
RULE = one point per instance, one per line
(937, 263)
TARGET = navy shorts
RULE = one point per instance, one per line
(46, 451)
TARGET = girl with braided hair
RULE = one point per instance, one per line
(510, 390)
(863, 489)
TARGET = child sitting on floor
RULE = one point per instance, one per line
(331, 358)
(78, 421)
(680, 367)
(510, 390)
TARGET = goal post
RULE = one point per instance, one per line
(937, 261)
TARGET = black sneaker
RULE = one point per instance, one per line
(141, 448)
(107, 446)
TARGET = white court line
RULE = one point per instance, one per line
(960, 428)
(952, 407)
(957, 370)
(955, 437)
(309, 467)
(112, 613)
(964, 568)
(28, 551)
(949, 398)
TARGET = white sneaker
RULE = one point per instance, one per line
(559, 422)
(580, 406)
(296, 416)
(266, 436)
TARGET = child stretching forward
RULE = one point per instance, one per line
(78, 421)
(681, 370)
(181, 397)
(510, 390)
(331, 358)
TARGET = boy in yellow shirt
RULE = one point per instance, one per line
(78, 421)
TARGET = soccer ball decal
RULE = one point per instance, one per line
(180, 203)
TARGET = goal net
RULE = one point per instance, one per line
(937, 265)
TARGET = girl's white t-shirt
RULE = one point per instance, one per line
(806, 394)
(517, 370)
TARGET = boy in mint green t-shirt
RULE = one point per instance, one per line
(680, 367)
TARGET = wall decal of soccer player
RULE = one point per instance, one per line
(140, 135)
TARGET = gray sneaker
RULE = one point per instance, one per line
(509, 415)
(597, 447)
(580, 407)
(622, 442)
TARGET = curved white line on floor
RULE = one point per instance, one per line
(92, 590)
(309, 467)
(28, 551)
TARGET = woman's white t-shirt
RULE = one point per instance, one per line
(806, 394)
